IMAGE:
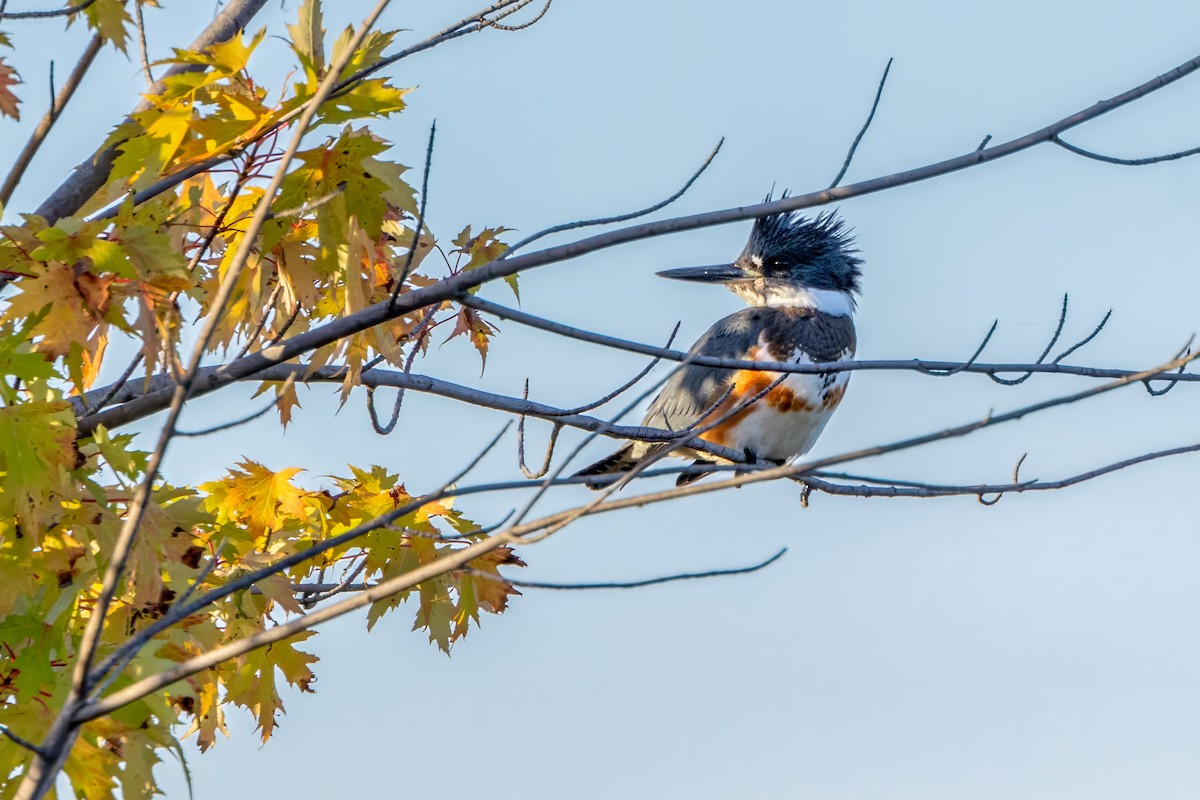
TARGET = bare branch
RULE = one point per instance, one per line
(453, 287)
(224, 426)
(141, 31)
(1125, 162)
(58, 12)
(970, 361)
(420, 222)
(863, 131)
(1062, 320)
(513, 534)
(1095, 332)
(57, 103)
(17, 740)
(587, 223)
(554, 431)
(492, 23)
(108, 394)
(524, 584)
(682, 576)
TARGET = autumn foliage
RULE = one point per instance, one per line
(342, 235)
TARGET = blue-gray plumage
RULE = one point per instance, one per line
(799, 276)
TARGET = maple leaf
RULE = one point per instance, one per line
(37, 448)
(255, 496)
(9, 102)
(491, 588)
(109, 19)
(223, 58)
(209, 716)
(91, 770)
(482, 249)
(368, 98)
(66, 320)
(481, 585)
(476, 328)
(17, 359)
(308, 36)
(286, 398)
(253, 683)
(369, 52)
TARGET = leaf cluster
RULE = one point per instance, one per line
(338, 239)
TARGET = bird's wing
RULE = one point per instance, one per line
(694, 389)
(755, 334)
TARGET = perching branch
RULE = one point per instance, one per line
(524, 532)
(454, 287)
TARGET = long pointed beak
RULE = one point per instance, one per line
(717, 273)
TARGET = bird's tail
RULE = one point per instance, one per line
(687, 478)
(610, 467)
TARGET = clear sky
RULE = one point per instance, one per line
(1043, 648)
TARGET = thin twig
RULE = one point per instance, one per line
(523, 25)
(517, 533)
(58, 12)
(682, 576)
(970, 361)
(17, 740)
(863, 131)
(1125, 162)
(1187, 348)
(57, 104)
(587, 223)
(1095, 332)
(420, 222)
(416, 337)
(1062, 320)
(224, 426)
(111, 391)
(181, 611)
(141, 30)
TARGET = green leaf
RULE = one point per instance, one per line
(308, 36)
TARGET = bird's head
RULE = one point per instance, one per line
(790, 260)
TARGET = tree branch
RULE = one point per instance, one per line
(454, 287)
(90, 175)
(57, 104)
(866, 125)
(1125, 162)
(58, 12)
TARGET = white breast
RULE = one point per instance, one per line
(778, 433)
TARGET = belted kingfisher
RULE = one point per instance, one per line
(799, 276)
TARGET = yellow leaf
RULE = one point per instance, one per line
(258, 498)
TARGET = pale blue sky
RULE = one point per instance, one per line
(1043, 648)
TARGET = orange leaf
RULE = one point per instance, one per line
(8, 100)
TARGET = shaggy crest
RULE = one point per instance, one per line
(819, 251)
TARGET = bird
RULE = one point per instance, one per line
(799, 275)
